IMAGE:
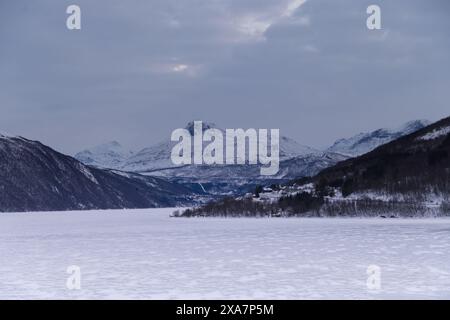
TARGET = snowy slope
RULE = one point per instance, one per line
(289, 148)
(436, 133)
(366, 142)
(108, 155)
(152, 158)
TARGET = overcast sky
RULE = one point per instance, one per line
(139, 69)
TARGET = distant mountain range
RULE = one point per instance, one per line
(409, 176)
(156, 158)
(34, 177)
(296, 160)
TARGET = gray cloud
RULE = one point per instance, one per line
(139, 69)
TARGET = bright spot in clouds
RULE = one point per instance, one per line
(180, 68)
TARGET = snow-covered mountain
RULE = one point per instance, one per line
(366, 142)
(157, 159)
(107, 155)
(34, 177)
(296, 160)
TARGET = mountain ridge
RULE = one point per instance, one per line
(367, 141)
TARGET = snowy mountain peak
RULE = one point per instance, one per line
(113, 144)
(206, 126)
(157, 157)
(413, 126)
(289, 148)
(366, 142)
(7, 135)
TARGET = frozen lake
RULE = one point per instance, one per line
(145, 254)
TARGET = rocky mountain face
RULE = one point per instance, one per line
(34, 177)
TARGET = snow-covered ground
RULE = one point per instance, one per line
(147, 255)
(437, 133)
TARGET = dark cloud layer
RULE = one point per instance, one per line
(139, 69)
